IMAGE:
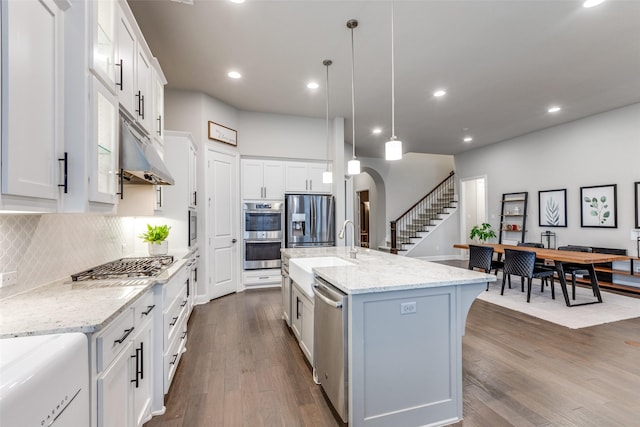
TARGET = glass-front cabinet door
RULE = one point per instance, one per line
(104, 41)
(103, 177)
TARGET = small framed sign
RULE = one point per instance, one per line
(224, 134)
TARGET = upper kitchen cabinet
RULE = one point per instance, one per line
(157, 115)
(103, 41)
(135, 75)
(262, 179)
(305, 177)
(32, 104)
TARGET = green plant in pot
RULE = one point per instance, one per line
(482, 232)
(156, 237)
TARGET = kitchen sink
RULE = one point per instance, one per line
(301, 270)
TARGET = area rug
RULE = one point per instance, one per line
(613, 308)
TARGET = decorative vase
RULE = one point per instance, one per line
(158, 249)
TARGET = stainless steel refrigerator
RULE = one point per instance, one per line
(310, 220)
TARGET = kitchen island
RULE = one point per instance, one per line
(405, 322)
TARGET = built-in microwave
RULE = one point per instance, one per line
(192, 223)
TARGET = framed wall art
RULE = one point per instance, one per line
(637, 193)
(224, 134)
(552, 208)
(598, 206)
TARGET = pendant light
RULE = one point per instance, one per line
(393, 147)
(353, 166)
(327, 175)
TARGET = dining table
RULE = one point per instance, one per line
(588, 259)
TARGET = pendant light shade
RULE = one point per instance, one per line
(393, 147)
(353, 166)
(327, 175)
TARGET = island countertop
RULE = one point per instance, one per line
(375, 271)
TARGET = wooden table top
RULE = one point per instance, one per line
(554, 254)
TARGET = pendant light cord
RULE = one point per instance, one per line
(326, 63)
(393, 80)
(353, 98)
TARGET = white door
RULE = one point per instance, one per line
(222, 223)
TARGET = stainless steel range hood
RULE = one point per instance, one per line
(139, 161)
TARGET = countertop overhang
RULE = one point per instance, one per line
(375, 271)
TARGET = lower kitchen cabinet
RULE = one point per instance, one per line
(122, 367)
(302, 320)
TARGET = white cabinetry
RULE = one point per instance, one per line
(122, 369)
(262, 179)
(302, 320)
(32, 113)
(305, 177)
(103, 41)
(158, 102)
(172, 298)
(125, 63)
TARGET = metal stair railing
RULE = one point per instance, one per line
(422, 213)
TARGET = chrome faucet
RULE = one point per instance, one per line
(353, 251)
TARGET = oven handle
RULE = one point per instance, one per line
(267, 211)
(264, 241)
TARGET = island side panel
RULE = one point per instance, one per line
(406, 369)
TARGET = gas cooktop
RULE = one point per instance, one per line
(126, 267)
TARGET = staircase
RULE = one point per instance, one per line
(424, 216)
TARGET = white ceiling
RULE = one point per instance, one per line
(503, 63)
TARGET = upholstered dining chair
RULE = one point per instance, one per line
(481, 257)
(522, 263)
(574, 269)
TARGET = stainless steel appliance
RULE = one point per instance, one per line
(126, 267)
(330, 344)
(262, 235)
(45, 381)
(192, 231)
(310, 220)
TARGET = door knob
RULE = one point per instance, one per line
(234, 240)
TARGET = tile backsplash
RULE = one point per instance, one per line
(49, 247)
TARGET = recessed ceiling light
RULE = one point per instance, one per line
(554, 109)
(313, 85)
(234, 74)
(439, 93)
(592, 3)
(237, 1)
(467, 139)
(376, 131)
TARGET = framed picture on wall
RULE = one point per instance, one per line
(552, 208)
(223, 134)
(637, 193)
(598, 206)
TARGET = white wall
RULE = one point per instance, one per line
(599, 150)
(406, 181)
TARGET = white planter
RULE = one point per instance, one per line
(158, 249)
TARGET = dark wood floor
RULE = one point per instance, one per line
(244, 368)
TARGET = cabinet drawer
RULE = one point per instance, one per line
(144, 308)
(113, 339)
(176, 286)
(173, 355)
(271, 277)
(173, 317)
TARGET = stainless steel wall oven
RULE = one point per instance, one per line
(262, 234)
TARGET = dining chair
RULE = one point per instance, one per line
(522, 263)
(574, 269)
(481, 257)
(539, 262)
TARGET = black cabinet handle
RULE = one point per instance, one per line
(184, 334)
(149, 308)
(175, 357)
(297, 308)
(195, 199)
(142, 100)
(173, 321)
(184, 302)
(139, 110)
(124, 337)
(159, 126)
(159, 191)
(120, 84)
(65, 173)
(136, 379)
(141, 361)
(121, 192)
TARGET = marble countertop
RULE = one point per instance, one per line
(66, 306)
(374, 271)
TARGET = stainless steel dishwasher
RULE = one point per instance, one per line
(330, 344)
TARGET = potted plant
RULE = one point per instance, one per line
(156, 238)
(482, 232)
